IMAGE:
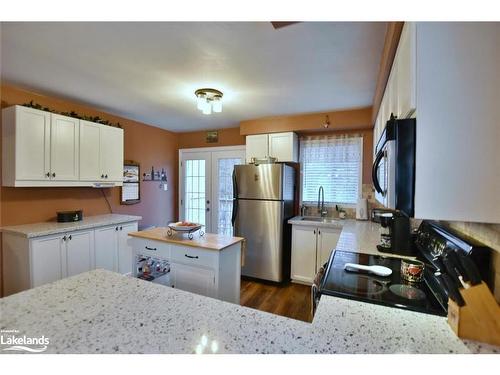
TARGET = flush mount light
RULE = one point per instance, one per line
(209, 100)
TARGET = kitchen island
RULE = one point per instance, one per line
(105, 312)
(208, 264)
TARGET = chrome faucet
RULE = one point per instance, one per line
(321, 204)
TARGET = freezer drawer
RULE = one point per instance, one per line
(261, 224)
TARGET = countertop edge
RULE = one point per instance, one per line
(77, 225)
(186, 242)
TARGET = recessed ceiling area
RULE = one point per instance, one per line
(149, 71)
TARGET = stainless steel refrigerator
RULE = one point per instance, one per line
(263, 203)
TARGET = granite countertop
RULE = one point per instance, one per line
(52, 227)
(104, 312)
(208, 241)
(359, 236)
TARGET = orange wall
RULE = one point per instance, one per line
(353, 119)
(227, 137)
(145, 144)
(341, 122)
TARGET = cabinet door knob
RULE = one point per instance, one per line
(64, 238)
(106, 176)
(47, 174)
(70, 237)
(314, 231)
(102, 176)
(116, 228)
(53, 175)
(121, 228)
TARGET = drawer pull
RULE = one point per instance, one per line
(150, 248)
(191, 257)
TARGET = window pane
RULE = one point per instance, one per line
(335, 164)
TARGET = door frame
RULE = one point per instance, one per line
(182, 152)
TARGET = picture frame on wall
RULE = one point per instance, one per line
(131, 189)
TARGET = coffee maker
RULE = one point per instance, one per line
(395, 233)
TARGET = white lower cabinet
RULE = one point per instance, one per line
(311, 248)
(106, 246)
(112, 251)
(79, 252)
(303, 253)
(46, 260)
(193, 279)
(56, 257)
(31, 262)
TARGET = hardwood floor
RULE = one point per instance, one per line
(290, 300)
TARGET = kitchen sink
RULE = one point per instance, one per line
(320, 219)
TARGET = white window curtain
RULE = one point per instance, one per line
(334, 162)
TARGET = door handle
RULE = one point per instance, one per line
(208, 209)
(191, 257)
(208, 202)
(375, 180)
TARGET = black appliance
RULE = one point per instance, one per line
(433, 243)
(398, 237)
(393, 171)
(69, 216)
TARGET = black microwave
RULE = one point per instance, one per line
(393, 171)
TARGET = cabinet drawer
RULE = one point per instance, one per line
(151, 248)
(194, 256)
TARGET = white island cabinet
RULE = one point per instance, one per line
(37, 254)
(209, 265)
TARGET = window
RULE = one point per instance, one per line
(333, 162)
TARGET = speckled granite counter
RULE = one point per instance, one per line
(357, 236)
(104, 312)
(52, 227)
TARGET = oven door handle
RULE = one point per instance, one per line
(315, 294)
(376, 164)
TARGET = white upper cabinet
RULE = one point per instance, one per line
(26, 145)
(45, 149)
(90, 151)
(406, 72)
(101, 152)
(257, 146)
(64, 148)
(458, 131)
(282, 146)
(111, 150)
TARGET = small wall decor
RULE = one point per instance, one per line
(156, 175)
(130, 193)
(73, 114)
(212, 136)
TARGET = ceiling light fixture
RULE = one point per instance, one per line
(209, 100)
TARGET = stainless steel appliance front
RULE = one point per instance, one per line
(263, 203)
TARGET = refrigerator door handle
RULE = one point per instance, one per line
(235, 199)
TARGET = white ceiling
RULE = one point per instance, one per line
(149, 71)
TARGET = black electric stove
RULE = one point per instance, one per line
(428, 296)
(389, 291)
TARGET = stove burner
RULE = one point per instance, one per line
(407, 291)
(364, 285)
